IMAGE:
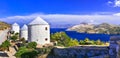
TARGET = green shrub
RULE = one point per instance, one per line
(24, 52)
(21, 51)
(14, 37)
(32, 45)
(5, 45)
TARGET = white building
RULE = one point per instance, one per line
(39, 31)
(24, 32)
(15, 28)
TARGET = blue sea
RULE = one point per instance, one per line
(82, 36)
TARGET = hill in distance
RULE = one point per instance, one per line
(91, 28)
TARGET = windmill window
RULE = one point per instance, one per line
(46, 39)
(46, 28)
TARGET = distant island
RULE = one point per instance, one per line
(92, 28)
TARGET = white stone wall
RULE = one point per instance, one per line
(15, 28)
(38, 33)
(24, 34)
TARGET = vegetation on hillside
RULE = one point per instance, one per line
(5, 45)
(24, 52)
(4, 25)
(27, 50)
(30, 51)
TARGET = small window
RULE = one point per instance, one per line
(46, 39)
(46, 28)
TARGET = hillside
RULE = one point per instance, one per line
(4, 25)
(101, 28)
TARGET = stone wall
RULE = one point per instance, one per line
(114, 43)
(79, 52)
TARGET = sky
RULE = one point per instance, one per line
(60, 11)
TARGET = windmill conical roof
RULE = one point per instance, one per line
(15, 24)
(24, 27)
(38, 20)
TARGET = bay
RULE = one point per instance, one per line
(82, 36)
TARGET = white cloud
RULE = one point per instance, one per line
(110, 3)
(57, 19)
(116, 14)
(115, 3)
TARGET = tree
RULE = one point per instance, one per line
(14, 37)
(92, 42)
(32, 45)
(5, 45)
(86, 40)
(63, 39)
(82, 42)
(73, 42)
(98, 42)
